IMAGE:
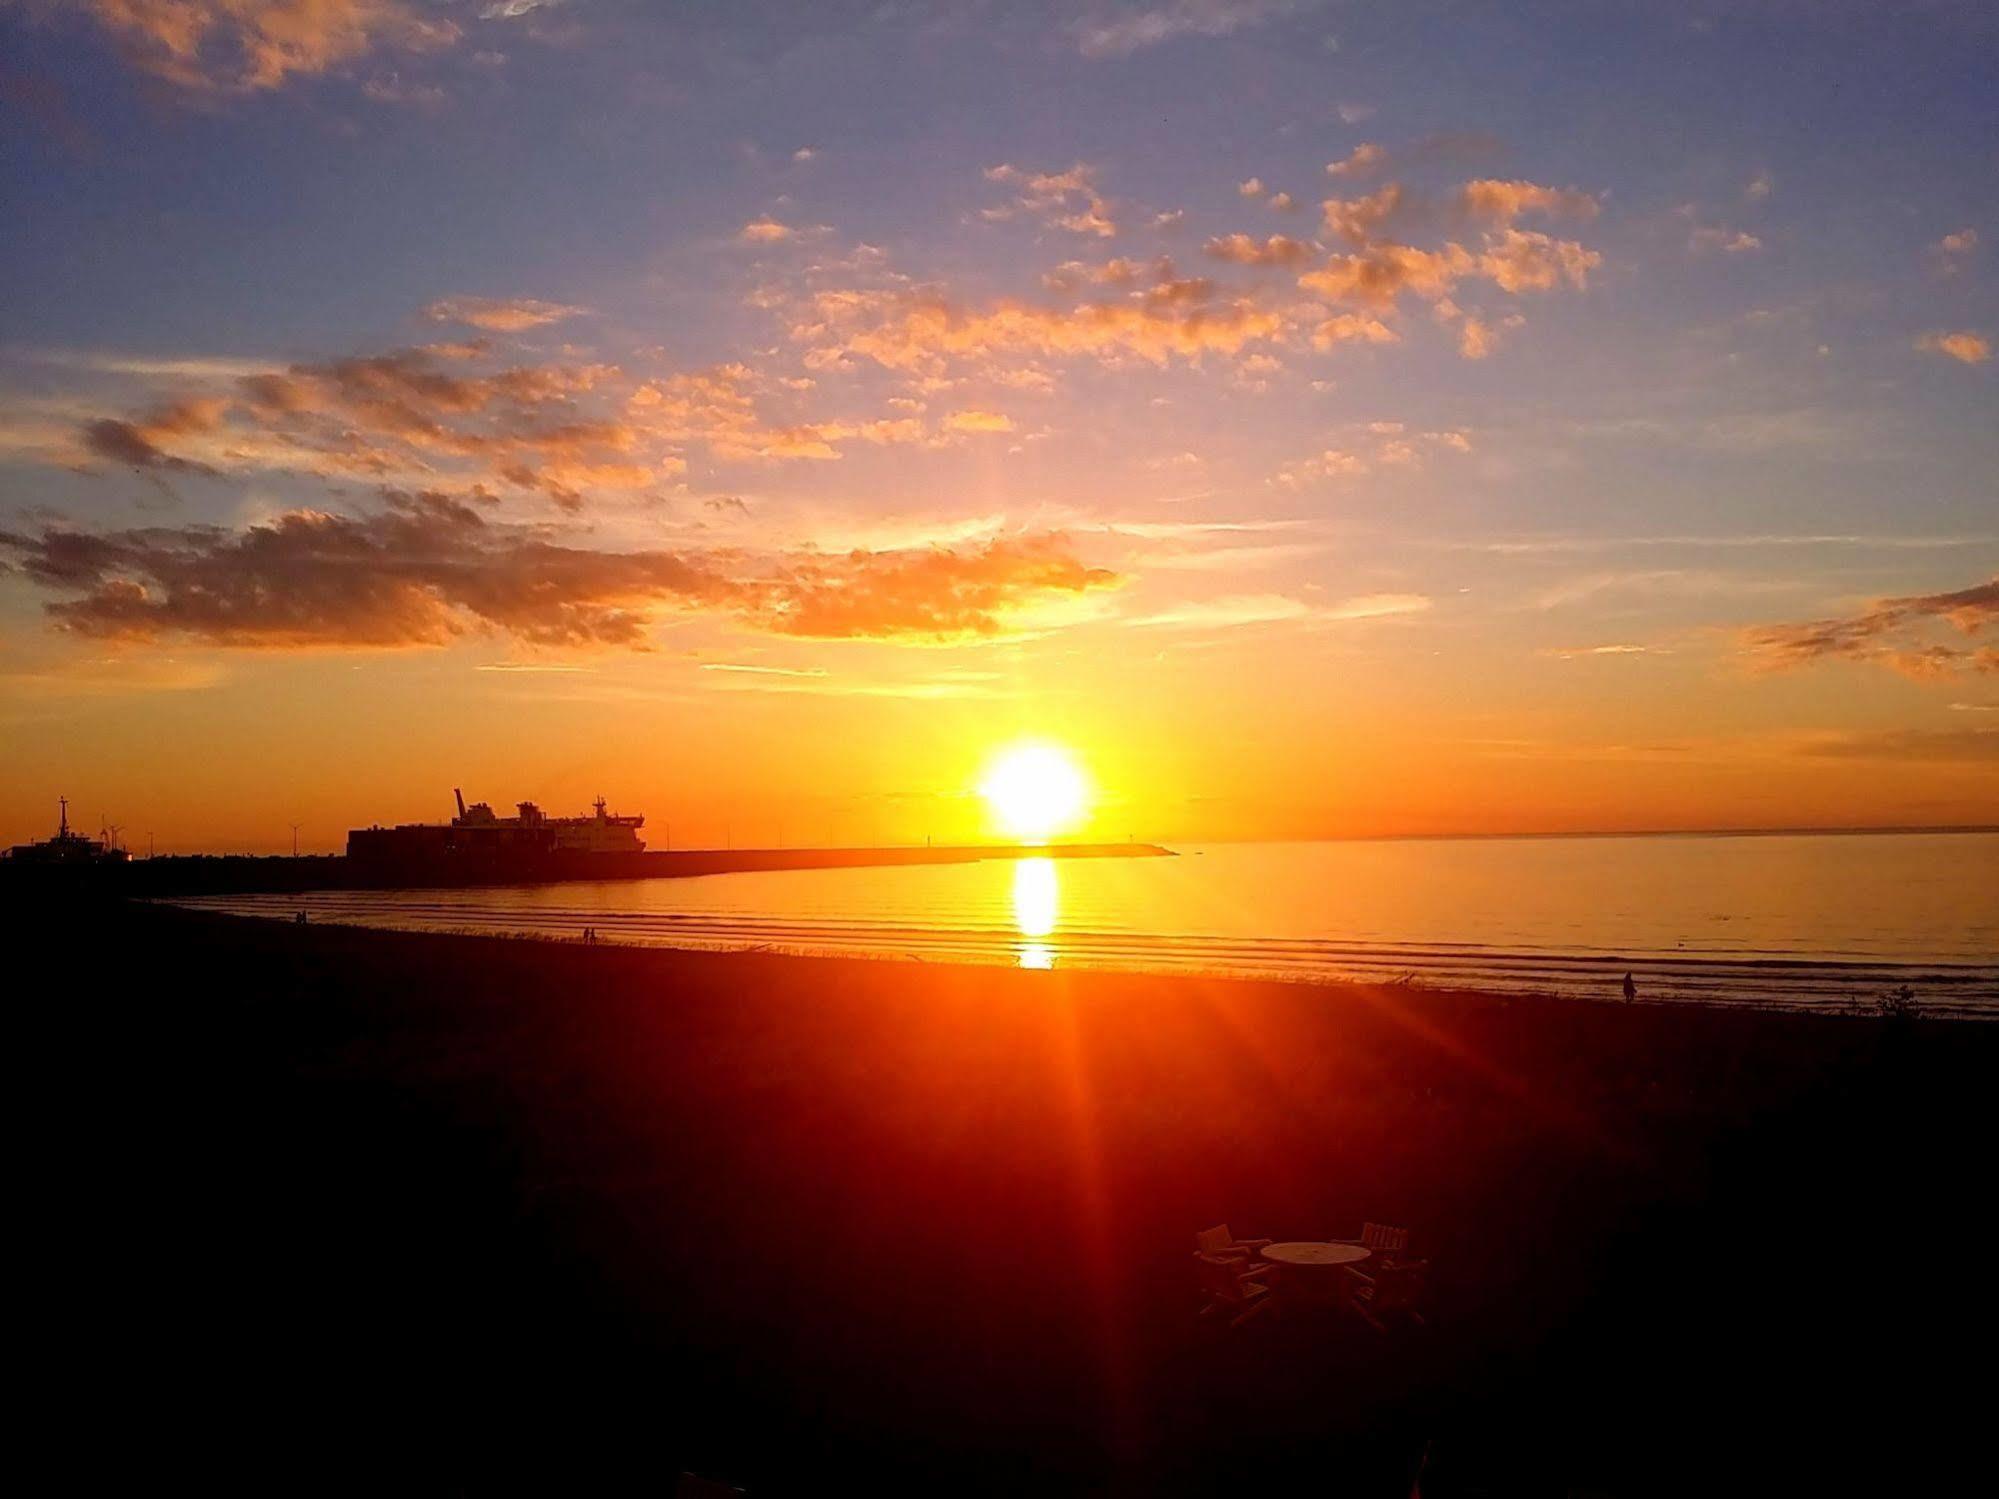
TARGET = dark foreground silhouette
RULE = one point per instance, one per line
(318, 1209)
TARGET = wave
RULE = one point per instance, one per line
(1744, 977)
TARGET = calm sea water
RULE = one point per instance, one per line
(1793, 921)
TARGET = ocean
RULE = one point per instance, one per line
(1828, 921)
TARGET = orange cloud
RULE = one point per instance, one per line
(1380, 271)
(978, 421)
(1120, 272)
(921, 331)
(432, 418)
(1069, 200)
(1333, 463)
(1356, 219)
(426, 569)
(246, 46)
(1244, 249)
(932, 593)
(140, 443)
(1501, 202)
(1364, 160)
(1963, 346)
(1890, 632)
(1522, 260)
(1395, 446)
(1476, 338)
(1353, 327)
(1377, 276)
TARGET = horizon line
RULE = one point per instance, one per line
(1866, 829)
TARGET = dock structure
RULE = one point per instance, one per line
(479, 847)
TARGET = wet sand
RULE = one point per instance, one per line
(319, 1207)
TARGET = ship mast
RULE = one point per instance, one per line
(63, 830)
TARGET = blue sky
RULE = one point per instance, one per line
(1544, 385)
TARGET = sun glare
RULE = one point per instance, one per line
(1035, 791)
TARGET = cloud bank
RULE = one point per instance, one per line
(425, 569)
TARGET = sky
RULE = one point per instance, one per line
(1320, 419)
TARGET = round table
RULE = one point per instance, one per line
(1310, 1270)
(1311, 1254)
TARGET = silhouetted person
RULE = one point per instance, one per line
(300, 918)
(1630, 989)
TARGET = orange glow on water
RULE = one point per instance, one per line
(1036, 906)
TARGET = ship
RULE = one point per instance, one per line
(68, 846)
(601, 833)
(478, 838)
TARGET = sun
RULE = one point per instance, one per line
(1035, 791)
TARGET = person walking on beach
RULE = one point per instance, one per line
(1630, 989)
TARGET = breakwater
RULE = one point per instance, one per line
(228, 874)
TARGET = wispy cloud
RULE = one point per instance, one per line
(1378, 606)
(500, 314)
(1645, 586)
(1274, 608)
(148, 366)
(1118, 32)
(766, 671)
(1954, 251)
(1228, 612)
(1556, 545)
(1977, 744)
(1713, 238)
(1601, 652)
(1892, 632)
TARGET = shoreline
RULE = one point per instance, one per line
(933, 947)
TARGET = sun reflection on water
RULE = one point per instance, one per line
(1036, 899)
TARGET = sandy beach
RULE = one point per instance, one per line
(426, 1212)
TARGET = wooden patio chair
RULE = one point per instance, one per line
(1219, 1241)
(1232, 1288)
(1388, 1293)
(1387, 1243)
